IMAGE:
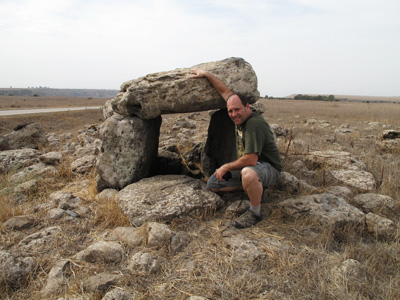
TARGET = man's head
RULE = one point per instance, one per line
(238, 108)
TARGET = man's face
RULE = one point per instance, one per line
(237, 111)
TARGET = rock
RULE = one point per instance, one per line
(105, 252)
(107, 109)
(165, 197)
(106, 194)
(220, 146)
(130, 236)
(65, 200)
(301, 168)
(36, 170)
(380, 226)
(360, 180)
(55, 213)
(56, 278)
(14, 159)
(88, 149)
(291, 184)
(176, 92)
(375, 203)
(324, 208)
(144, 263)
(389, 145)
(242, 248)
(24, 136)
(331, 159)
(238, 207)
(118, 294)
(128, 152)
(196, 298)
(14, 269)
(340, 191)
(43, 240)
(19, 223)
(51, 158)
(179, 242)
(351, 271)
(84, 164)
(100, 282)
(391, 134)
(27, 187)
(159, 235)
(279, 130)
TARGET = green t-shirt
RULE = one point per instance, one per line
(255, 136)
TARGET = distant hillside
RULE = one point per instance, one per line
(48, 92)
(357, 98)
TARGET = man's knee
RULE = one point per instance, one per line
(249, 175)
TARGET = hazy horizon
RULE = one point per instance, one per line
(294, 46)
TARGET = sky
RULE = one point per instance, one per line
(337, 47)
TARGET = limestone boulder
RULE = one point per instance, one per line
(324, 208)
(380, 226)
(19, 223)
(176, 91)
(128, 152)
(24, 136)
(14, 159)
(375, 203)
(57, 277)
(165, 197)
(102, 251)
(143, 262)
(360, 180)
(332, 159)
(14, 268)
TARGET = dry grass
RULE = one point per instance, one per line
(298, 258)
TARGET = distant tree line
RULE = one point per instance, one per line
(317, 98)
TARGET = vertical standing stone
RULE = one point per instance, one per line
(220, 147)
(128, 152)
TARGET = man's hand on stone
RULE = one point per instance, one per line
(198, 73)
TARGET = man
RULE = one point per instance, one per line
(258, 164)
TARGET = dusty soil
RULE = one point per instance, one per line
(59, 122)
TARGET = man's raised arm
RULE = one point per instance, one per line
(221, 88)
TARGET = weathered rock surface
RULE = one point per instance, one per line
(325, 208)
(165, 197)
(102, 251)
(375, 203)
(360, 180)
(128, 152)
(380, 226)
(83, 164)
(14, 159)
(100, 282)
(13, 268)
(118, 294)
(57, 277)
(130, 236)
(19, 223)
(144, 263)
(335, 160)
(176, 92)
(24, 136)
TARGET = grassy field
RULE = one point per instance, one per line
(301, 269)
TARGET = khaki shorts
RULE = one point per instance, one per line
(267, 174)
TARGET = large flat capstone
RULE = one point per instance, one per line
(176, 92)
